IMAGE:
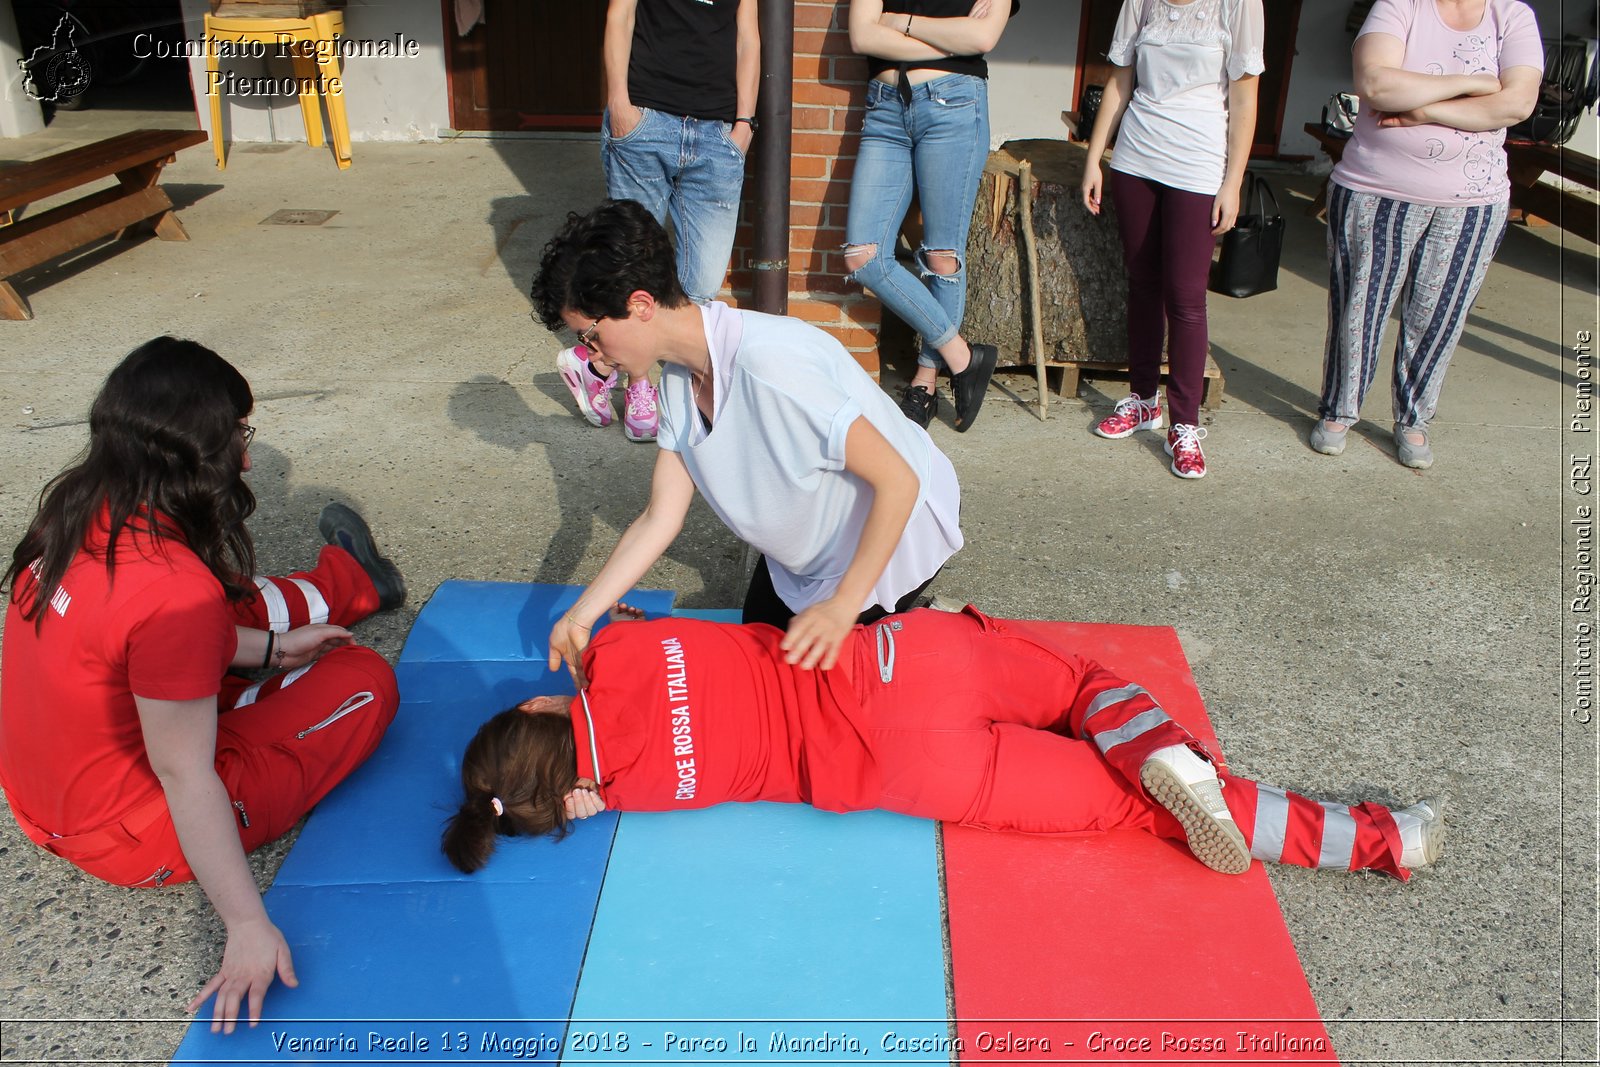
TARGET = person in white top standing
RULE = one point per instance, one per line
(796, 449)
(1183, 92)
(1419, 202)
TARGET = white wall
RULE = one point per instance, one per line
(18, 114)
(1031, 71)
(387, 99)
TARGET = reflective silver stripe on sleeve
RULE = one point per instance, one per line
(277, 607)
(1141, 723)
(316, 606)
(1113, 696)
(1272, 824)
(248, 697)
(594, 753)
(1338, 837)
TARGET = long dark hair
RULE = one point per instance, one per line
(165, 460)
(526, 760)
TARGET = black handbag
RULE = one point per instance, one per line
(1251, 250)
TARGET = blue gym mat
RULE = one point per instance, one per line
(737, 934)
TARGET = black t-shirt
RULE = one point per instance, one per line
(935, 9)
(683, 58)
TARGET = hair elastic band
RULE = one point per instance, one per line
(499, 808)
(266, 660)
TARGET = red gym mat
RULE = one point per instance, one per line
(1120, 946)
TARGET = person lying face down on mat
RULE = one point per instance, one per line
(130, 744)
(992, 723)
(852, 507)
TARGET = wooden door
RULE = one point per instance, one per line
(530, 65)
(1099, 18)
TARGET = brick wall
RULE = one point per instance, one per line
(829, 89)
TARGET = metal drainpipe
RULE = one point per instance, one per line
(771, 204)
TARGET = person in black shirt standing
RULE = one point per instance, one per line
(926, 129)
(681, 83)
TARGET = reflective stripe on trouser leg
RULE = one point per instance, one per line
(270, 685)
(1125, 722)
(1285, 827)
(291, 603)
(335, 591)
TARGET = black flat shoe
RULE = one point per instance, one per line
(344, 528)
(919, 405)
(970, 385)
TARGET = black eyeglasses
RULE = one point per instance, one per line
(248, 432)
(586, 338)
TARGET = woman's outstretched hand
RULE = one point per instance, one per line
(817, 633)
(568, 639)
(306, 644)
(621, 612)
(255, 953)
(583, 802)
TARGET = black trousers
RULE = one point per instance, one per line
(762, 603)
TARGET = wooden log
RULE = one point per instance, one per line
(1082, 286)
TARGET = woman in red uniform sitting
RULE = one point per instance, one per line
(987, 722)
(131, 604)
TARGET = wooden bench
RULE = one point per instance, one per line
(135, 159)
(1525, 165)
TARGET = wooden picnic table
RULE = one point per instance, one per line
(135, 159)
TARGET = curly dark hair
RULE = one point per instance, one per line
(600, 259)
(165, 460)
(528, 762)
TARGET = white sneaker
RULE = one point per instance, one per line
(1187, 786)
(1421, 833)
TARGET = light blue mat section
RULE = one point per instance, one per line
(392, 945)
(766, 932)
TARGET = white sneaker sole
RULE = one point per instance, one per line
(1432, 832)
(1215, 842)
(640, 438)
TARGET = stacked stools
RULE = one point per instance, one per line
(310, 39)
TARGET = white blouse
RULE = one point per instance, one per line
(1175, 130)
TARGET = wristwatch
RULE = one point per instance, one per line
(751, 120)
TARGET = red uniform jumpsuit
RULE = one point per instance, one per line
(986, 722)
(72, 757)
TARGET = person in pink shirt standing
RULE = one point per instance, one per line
(1418, 205)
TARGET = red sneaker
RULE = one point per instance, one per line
(1183, 445)
(1132, 413)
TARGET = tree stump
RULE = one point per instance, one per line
(1083, 288)
(1082, 282)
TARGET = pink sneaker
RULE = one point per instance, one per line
(639, 420)
(1132, 413)
(1183, 445)
(592, 394)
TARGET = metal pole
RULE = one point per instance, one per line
(770, 207)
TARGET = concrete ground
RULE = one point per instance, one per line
(1359, 630)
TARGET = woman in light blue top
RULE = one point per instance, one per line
(852, 507)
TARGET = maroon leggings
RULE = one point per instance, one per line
(1167, 242)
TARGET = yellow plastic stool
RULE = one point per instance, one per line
(310, 42)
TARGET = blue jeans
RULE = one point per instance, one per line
(687, 169)
(937, 144)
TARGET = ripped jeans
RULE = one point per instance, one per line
(937, 145)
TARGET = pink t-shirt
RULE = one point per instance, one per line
(1431, 164)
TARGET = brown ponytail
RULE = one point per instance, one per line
(528, 762)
